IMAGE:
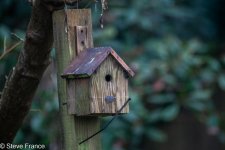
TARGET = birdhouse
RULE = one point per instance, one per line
(97, 83)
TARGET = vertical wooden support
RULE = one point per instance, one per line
(65, 26)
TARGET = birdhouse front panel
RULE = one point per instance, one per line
(97, 83)
(109, 88)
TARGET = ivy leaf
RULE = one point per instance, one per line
(156, 134)
(221, 81)
(170, 112)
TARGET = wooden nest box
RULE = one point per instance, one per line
(97, 83)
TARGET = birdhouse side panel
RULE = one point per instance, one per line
(82, 100)
(109, 88)
(70, 88)
(78, 97)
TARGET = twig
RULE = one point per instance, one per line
(4, 42)
(114, 117)
(7, 51)
(36, 110)
(88, 4)
(19, 38)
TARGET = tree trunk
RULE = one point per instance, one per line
(23, 80)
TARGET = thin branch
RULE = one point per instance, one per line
(10, 49)
(19, 38)
(7, 51)
(4, 44)
(36, 110)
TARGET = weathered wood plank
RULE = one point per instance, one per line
(74, 129)
(71, 95)
(117, 87)
(82, 100)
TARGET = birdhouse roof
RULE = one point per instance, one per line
(89, 60)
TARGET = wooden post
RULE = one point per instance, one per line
(74, 129)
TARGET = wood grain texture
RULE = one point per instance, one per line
(71, 96)
(74, 129)
(100, 88)
(81, 38)
(79, 99)
(86, 96)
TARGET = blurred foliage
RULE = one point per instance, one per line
(174, 46)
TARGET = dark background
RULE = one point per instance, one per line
(176, 48)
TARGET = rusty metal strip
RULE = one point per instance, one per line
(81, 38)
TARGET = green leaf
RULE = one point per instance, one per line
(154, 115)
(213, 120)
(162, 98)
(170, 112)
(156, 134)
(221, 81)
(200, 95)
(197, 106)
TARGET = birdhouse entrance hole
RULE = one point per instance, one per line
(108, 78)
